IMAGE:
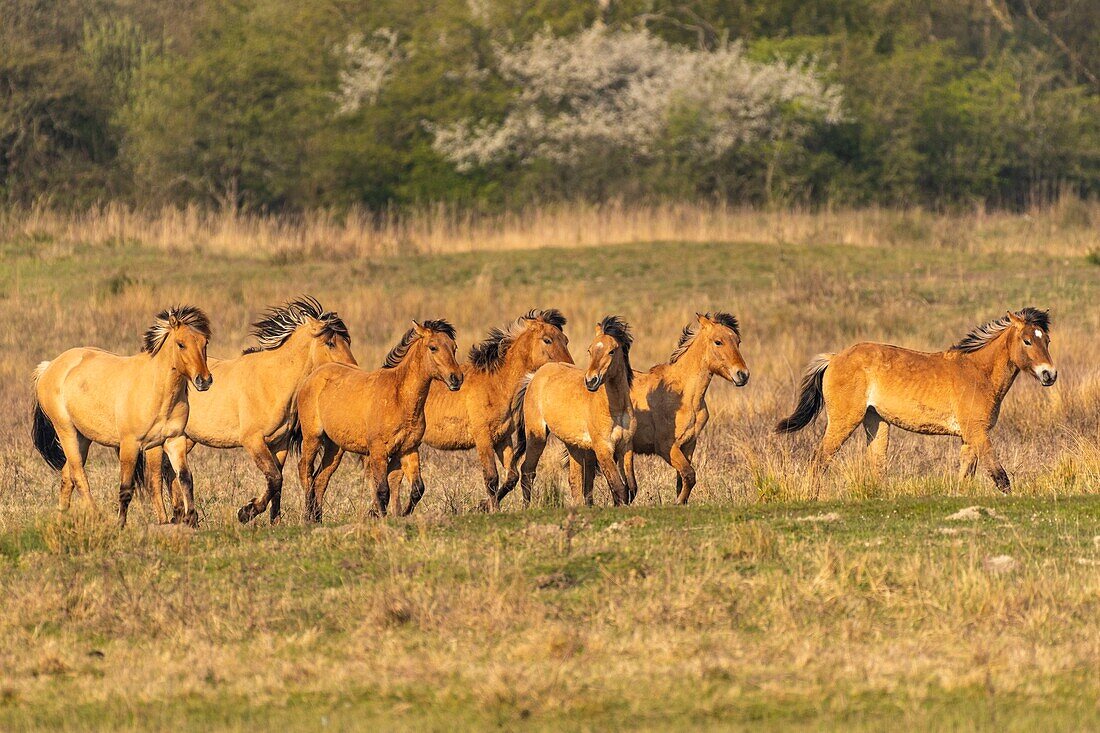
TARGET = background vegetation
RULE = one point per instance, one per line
(283, 105)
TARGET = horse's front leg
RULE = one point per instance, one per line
(154, 462)
(177, 457)
(685, 471)
(986, 456)
(968, 462)
(257, 447)
(410, 464)
(605, 457)
(128, 454)
(488, 457)
(378, 464)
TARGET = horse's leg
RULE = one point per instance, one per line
(510, 459)
(307, 454)
(576, 474)
(177, 457)
(378, 465)
(878, 441)
(68, 475)
(154, 460)
(488, 457)
(396, 478)
(588, 467)
(684, 471)
(76, 448)
(128, 454)
(628, 476)
(605, 457)
(536, 444)
(260, 451)
(330, 461)
(410, 462)
(983, 449)
(968, 462)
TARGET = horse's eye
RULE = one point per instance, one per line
(433, 348)
(612, 352)
(717, 343)
(179, 344)
(330, 344)
(1027, 342)
(547, 341)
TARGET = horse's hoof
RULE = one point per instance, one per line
(191, 519)
(246, 513)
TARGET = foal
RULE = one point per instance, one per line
(670, 399)
(379, 414)
(131, 403)
(480, 415)
(954, 392)
(252, 403)
(588, 410)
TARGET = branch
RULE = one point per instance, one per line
(1074, 60)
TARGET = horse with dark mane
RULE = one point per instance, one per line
(670, 399)
(377, 414)
(252, 404)
(481, 414)
(132, 403)
(955, 392)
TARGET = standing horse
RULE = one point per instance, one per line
(379, 414)
(252, 404)
(954, 392)
(588, 410)
(480, 415)
(670, 399)
(87, 395)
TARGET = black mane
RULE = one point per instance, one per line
(982, 335)
(618, 329)
(488, 356)
(186, 315)
(688, 335)
(398, 352)
(279, 322)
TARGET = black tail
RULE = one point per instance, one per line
(294, 440)
(45, 439)
(810, 397)
(139, 470)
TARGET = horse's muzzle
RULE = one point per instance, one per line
(203, 383)
(1047, 377)
(454, 382)
(593, 383)
(740, 378)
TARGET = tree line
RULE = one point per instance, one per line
(279, 105)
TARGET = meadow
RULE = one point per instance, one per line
(887, 602)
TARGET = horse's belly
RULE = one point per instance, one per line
(448, 434)
(919, 418)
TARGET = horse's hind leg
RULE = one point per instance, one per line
(536, 444)
(154, 491)
(968, 462)
(177, 458)
(680, 458)
(76, 448)
(878, 442)
(610, 469)
(410, 462)
(489, 473)
(128, 455)
(330, 461)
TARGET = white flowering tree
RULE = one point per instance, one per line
(367, 63)
(628, 91)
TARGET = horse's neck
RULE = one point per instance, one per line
(291, 364)
(413, 383)
(617, 387)
(169, 386)
(993, 361)
(690, 377)
(502, 386)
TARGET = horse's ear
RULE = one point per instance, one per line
(1015, 319)
(173, 322)
(703, 320)
(599, 330)
(420, 330)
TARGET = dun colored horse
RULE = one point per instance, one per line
(588, 410)
(379, 414)
(480, 415)
(954, 392)
(252, 404)
(132, 403)
(670, 399)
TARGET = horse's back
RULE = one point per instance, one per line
(81, 386)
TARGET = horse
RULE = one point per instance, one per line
(253, 403)
(378, 414)
(480, 415)
(670, 399)
(132, 403)
(955, 392)
(589, 410)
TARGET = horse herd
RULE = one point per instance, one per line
(301, 386)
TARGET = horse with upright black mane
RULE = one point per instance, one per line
(587, 409)
(481, 414)
(955, 392)
(670, 399)
(252, 404)
(132, 403)
(378, 414)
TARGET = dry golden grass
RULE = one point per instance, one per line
(751, 607)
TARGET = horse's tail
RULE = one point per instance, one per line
(810, 397)
(517, 415)
(294, 439)
(139, 470)
(42, 430)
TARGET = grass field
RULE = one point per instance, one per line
(869, 609)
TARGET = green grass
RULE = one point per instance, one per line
(709, 616)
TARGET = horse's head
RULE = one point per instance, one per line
(609, 351)
(438, 338)
(328, 344)
(1029, 344)
(721, 337)
(184, 332)
(543, 339)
